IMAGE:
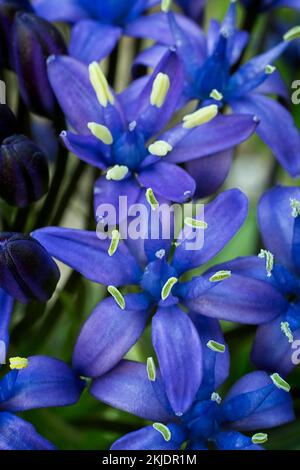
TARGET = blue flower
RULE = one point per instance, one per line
(36, 382)
(116, 133)
(154, 268)
(211, 77)
(6, 307)
(256, 401)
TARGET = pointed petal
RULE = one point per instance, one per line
(85, 147)
(6, 307)
(179, 352)
(280, 134)
(86, 37)
(232, 440)
(128, 388)
(84, 252)
(55, 10)
(109, 333)
(224, 216)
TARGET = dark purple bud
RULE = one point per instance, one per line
(8, 122)
(8, 10)
(27, 272)
(34, 41)
(24, 175)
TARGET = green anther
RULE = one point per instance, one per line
(220, 276)
(151, 369)
(215, 346)
(100, 85)
(18, 363)
(260, 438)
(116, 294)
(285, 328)
(295, 205)
(166, 5)
(280, 383)
(202, 116)
(269, 260)
(216, 95)
(166, 290)
(194, 223)
(216, 397)
(115, 239)
(152, 199)
(117, 173)
(101, 132)
(269, 69)
(164, 431)
(292, 34)
(160, 88)
(160, 148)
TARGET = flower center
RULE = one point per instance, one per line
(159, 279)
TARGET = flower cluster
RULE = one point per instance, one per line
(147, 164)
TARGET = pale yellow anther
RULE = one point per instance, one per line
(202, 116)
(101, 132)
(216, 95)
(166, 5)
(292, 34)
(160, 148)
(117, 173)
(18, 363)
(160, 88)
(100, 85)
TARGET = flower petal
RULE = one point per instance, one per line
(84, 252)
(43, 383)
(224, 216)
(55, 10)
(109, 333)
(86, 37)
(17, 434)
(149, 439)
(232, 440)
(127, 388)
(86, 147)
(179, 352)
(6, 307)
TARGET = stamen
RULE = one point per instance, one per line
(194, 223)
(166, 5)
(151, 369)
(166, 290)
(269, 261)
(115, 239)
(215, 346)
(132, 126)
(164, 431)
(160, 148)
(202, 116)
(116, 294)
(18, 363)
(260, 438)
(216, 95)
(216, 397)
(285, 328)
(220, 276)
(269, 69)
(160, 88)
(152, 199)
(292, 34)
(295, 205)
(100, 85)
(117, 173)
(280, 383)
(160, 254)
(101, 132)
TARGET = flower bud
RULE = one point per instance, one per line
(8, 122)
(24, 172)
(34, 40)
(8, 10)
(27, 272)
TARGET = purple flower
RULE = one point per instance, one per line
(256, 401)
(155, 267)
(274, 346)
(36, 382)
(211, 78)
(116, 133)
